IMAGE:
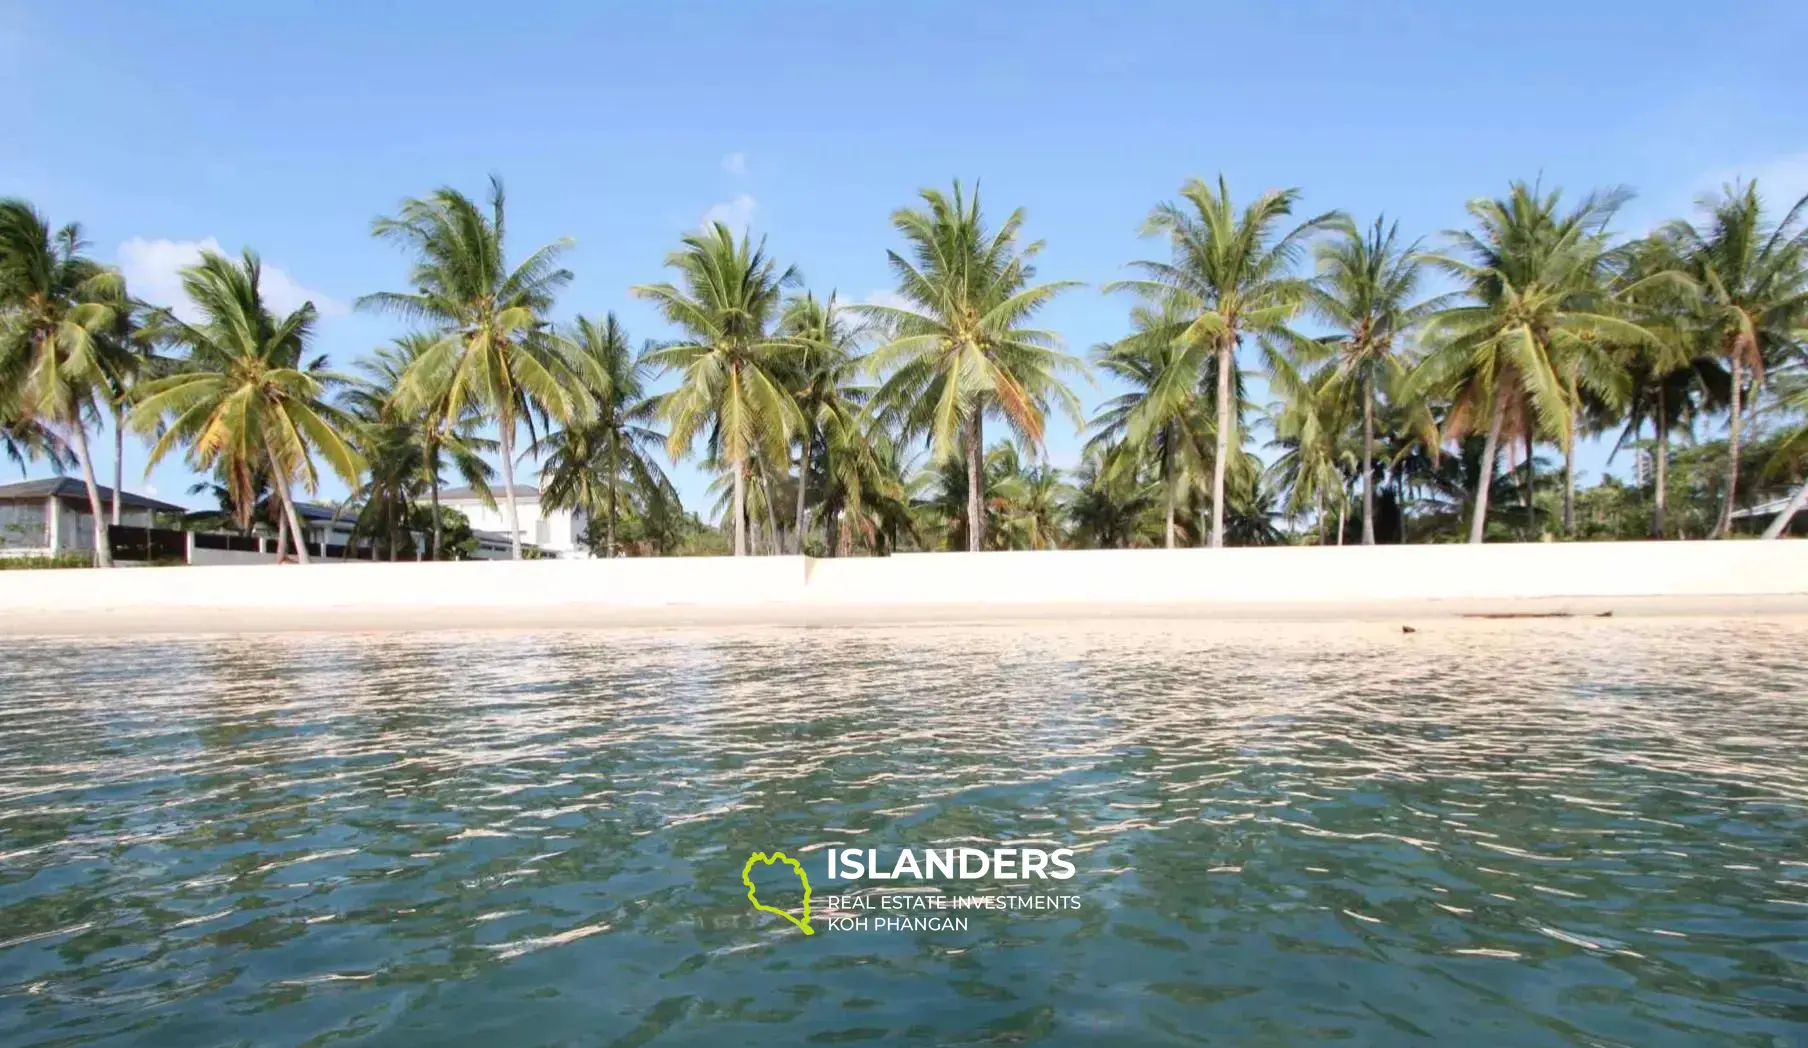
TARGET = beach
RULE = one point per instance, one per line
(1409, 583)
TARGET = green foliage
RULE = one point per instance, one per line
(61, 560)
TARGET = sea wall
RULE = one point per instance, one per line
(1240, 583)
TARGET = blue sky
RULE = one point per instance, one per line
(164, 124)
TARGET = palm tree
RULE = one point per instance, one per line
(1312, 426)
(58, 304)
(729, 359)
(243, 398)
(958, 348)
(129, 357)
(822, 384)
(495, 353)
(1170, 427)
(1793, 448)
(1539, 312)
(1672, 377)
(1229, 277)
(1754, 287)
(587, 463)
(24, 439)
(427, 424)
(1366, 289)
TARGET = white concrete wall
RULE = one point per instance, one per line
(1326, 582)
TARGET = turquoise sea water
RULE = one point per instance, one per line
(1553, 833)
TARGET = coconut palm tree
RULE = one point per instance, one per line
(587, 464)
(495, 353)
(24, 439)
(1367, 288)
(729, 359)
(1793, 448)
(1538, 309)
(1672, 378)
(128, 356)
(244, 398)
(821, 378)
(1754, 288)
(57, 303)
(438, 438)
(1173, 431)
(1229, 277)
(1313, 426)
(957, 349)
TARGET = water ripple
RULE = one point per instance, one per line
(1590, 832)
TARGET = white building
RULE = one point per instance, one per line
(555, 532)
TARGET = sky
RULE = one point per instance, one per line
(168, 126)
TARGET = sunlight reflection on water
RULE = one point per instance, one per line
(1574, 832)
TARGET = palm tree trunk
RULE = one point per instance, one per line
(119, 458)
(433, 483)
(1725, 524)
(1531, 511)
(1569, 478)
(1368, 460)
(1478, 523)
(1662, 469)
(1167, 479)
(740, 507)
(103, 549)
(1318, 514)
(1781, 524)
(831, 529)
(614, 482)
(1223, 424)
(282, 534)
(507, 427)
(1341, 502)
(294, 522)
(775, 538)
(976, 482)
(803, 484)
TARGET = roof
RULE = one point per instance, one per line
(1766, 509)
(316, 511)
(522, 491)
(70, 488)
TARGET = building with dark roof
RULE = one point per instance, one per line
(52, 516)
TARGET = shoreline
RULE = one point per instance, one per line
(485, 618)
(1310, 584)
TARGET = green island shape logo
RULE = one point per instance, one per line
(747, 879)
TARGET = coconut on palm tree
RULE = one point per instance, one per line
(245, 398)
(58, 302)
(727, 302)
(1538, 312)
(1753, 277)
(958, 347)
(1229, 277)
(495, 352)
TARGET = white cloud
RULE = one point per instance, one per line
(884, 297)
(735, 164)
(153, 272)
(736, 214)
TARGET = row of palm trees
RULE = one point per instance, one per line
(1396, 370)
